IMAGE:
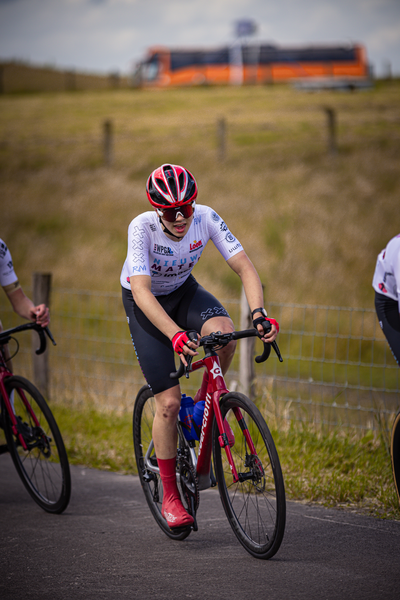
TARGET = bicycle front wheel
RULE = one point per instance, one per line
(395, 453)
(255, 505)
(43, 467)
(146, 460)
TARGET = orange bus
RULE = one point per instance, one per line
(244, 63)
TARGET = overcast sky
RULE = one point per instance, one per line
(112, 35)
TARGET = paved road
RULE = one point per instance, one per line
(107, 546)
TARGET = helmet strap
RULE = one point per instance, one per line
(167, 231)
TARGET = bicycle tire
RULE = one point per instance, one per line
(256, 506)
(44, 467)
(395, 453)
(143, 416)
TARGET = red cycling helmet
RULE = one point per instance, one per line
(171, 186)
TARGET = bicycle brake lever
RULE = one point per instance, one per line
(186, 368)
(277, 351)
(48, 332)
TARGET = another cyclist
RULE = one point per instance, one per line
(21, 304)
(386, 283)
(164, 303)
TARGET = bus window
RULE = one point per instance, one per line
(150, 69)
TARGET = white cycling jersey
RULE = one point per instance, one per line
(387, 272)
(169, 263)
(7, 273)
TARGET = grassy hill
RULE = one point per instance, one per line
(313, 222)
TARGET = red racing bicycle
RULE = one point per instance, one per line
(248, 472)
(33, 438)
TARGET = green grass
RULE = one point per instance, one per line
(336, 469)
(96, 439)
(339, 469)
(312, 224)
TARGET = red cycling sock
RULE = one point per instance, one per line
(172, 508)
(168, 476)
(201, 393)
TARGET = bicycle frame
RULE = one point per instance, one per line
(5, 336)
(215, 389)
(4, 373)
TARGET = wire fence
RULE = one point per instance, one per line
(337, 371)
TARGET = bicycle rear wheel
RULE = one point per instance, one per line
(43, 467)
(143, 416)
(255, 505)
(395, 453)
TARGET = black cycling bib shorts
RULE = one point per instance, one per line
(190, 306)
(387, 311)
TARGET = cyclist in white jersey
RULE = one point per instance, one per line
(164, 303)
(386, 283)
(21, 304)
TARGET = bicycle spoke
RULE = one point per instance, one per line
(43, 467)
(255, 505)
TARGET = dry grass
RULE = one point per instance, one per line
(312, 223)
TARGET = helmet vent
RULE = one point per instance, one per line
(172, 185)
(161, 185)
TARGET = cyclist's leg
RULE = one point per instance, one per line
(165, 443)
(225, 325)
(387, 311)
(205, 314)
(146, 460)
(153, 348)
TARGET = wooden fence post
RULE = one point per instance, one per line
(107, 142)
(246, 360)
(331, 122)
(41, 285)
(221, 135)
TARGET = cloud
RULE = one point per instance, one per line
(108, 34)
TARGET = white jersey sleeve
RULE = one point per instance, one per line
(386, 278)
(221, 236)
(7, 273)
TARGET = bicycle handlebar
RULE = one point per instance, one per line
(6, 335)
(218, 339)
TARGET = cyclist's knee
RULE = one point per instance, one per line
(226, 354)
(168, 403)
(223, 324)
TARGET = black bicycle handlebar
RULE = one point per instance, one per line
(219, 340)
(7, 334)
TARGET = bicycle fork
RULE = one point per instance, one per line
(17, 425)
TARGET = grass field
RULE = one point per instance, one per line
(312, 222)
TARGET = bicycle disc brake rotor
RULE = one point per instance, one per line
(189, 484)
(257, 470)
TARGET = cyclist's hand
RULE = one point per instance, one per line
(185, 342)
(267, 328)
(40, 314)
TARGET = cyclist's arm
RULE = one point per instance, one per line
(146, 301)
(242, 266)
(25, 308)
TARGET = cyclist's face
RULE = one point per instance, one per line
(180, 226)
